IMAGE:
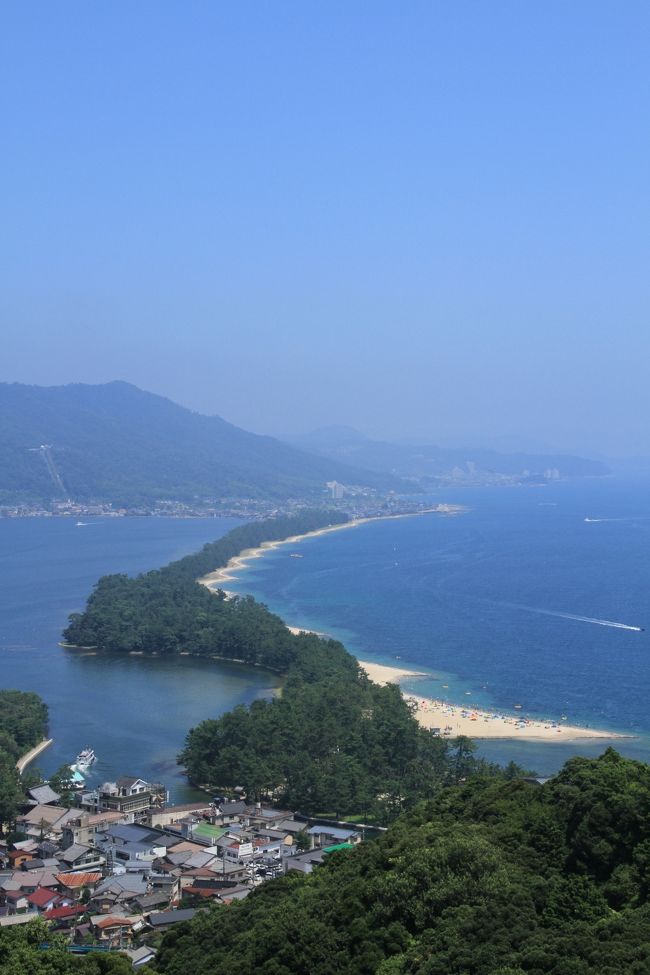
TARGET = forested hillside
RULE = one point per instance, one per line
(495, 878)
(116, 443)
(23, 723)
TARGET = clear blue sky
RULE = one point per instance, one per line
(425, 219)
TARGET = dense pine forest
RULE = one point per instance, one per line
(168, 611)
(21, 954)
(23, 723)
(492, 878)
(483, 871)
(333, 742)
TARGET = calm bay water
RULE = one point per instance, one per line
(134, 712)
(467, 599)
(473, 600)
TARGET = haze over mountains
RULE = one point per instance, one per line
(115, 442)
(428, 462)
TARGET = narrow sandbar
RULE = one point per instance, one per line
(452, 720)
(382, 674)
(297, 630)
(214, 580)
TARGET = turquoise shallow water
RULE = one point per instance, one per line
(484, 602)
(444, 595)
(135, 712)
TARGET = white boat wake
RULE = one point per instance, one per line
(580, 619)
(593, 521)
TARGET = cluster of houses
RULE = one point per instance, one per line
(122, 865)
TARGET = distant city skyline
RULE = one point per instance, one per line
(428, 222)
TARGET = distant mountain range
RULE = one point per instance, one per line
(435, 464)
(116, 443)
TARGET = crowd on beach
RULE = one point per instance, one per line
(443, 717)
(448, 710)
(450, 720)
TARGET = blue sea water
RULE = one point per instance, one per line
(134, 711)
(466, 599)
(485, 602)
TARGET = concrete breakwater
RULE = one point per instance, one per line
(33, 753)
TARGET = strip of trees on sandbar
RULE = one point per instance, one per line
(332, 742)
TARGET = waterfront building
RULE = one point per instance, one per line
(130, 860)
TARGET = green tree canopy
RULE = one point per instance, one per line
(496, 877)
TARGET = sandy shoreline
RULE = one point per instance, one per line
(297, 630)
(451, 719)
(214, 579)
(456, 719)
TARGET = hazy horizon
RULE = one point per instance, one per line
(429, 223)
(302, 438)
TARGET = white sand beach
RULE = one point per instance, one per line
(383, 674)
(451, 719)
(454, 719)
(297, 630)
(215, 579)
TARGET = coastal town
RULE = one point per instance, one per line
(118, 866)
(325, 488)
(354, 501)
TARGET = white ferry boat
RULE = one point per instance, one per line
(84, 760)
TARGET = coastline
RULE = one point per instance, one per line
(451, 719)
(455, 719)
(239, 562)
(33, 753)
